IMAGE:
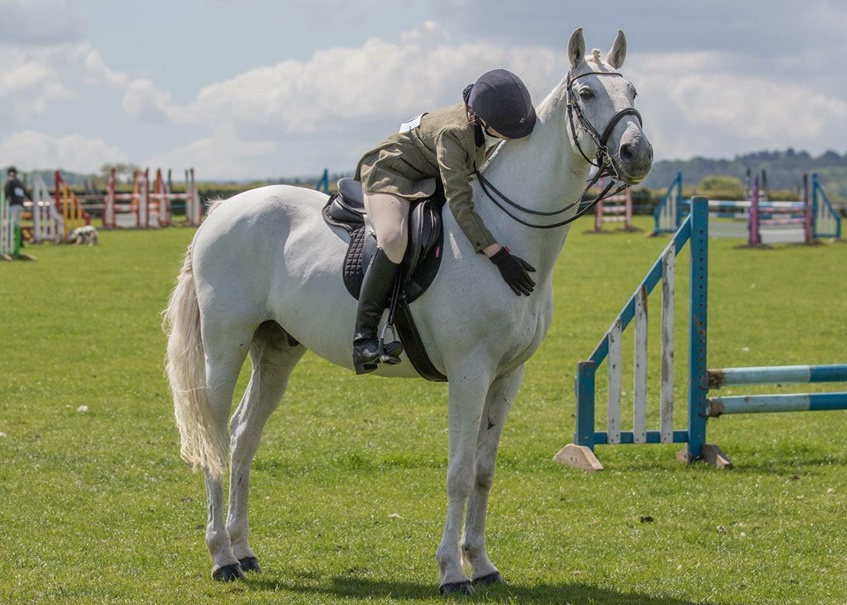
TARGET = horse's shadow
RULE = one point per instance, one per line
(540, 594)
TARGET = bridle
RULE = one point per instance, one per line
(602, 161)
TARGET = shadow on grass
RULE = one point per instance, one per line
(542, 594)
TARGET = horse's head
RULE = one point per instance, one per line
(602, 121)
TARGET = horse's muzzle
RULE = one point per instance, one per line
(635, 155)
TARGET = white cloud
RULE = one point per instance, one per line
(221, 156)
(352, 94)
(38, 23)
(704, 103)
(755, 108)
(144, 102)
(34, 78)
(382, 78)
(719, 87)
(31, 150)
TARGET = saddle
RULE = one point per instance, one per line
(346, 209)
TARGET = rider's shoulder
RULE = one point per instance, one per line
(451, 121)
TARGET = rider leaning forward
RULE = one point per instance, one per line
(449, 143)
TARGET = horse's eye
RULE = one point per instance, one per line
(585, 94)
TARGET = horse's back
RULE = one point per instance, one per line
(268, 254)
(261, 209)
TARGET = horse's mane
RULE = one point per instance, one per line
(214, 203)
(492, 156)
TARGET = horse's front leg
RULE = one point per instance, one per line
(468, 389)
(497, 406)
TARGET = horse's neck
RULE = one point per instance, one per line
(544, 173)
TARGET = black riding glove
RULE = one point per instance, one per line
(514, 271)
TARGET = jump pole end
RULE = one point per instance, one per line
(712, 454)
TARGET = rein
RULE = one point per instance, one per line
(602, 161)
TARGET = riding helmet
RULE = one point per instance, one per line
(502, 101)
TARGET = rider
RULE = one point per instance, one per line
(449, 143)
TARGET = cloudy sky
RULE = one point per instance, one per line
(242, 89)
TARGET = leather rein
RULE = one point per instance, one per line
(602, 161)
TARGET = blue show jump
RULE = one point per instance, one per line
(777, 375)
(693, 231)
(799, 402)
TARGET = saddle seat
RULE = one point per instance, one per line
(349, 205)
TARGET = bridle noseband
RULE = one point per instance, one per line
(602, 160)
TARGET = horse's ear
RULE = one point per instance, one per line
(576, 48)
(617, 55)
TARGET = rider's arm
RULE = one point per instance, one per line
(454, 165)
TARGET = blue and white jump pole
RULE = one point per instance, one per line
(694, 230)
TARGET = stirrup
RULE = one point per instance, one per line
(389, 352)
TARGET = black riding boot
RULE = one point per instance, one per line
(373, 299)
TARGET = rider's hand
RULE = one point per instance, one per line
(515, 271)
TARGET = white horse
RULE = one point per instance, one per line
(262, 275)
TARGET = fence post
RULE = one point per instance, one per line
(678, 215)
(697, 369)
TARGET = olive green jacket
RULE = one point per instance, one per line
(443, 145)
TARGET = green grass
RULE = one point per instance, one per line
(348, 490)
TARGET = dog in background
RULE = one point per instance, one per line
(84, 235)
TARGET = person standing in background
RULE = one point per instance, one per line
(16, 193)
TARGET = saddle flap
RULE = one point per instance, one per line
(424, 231)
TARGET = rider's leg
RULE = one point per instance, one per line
(389, 215)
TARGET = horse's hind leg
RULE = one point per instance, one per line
(497, 406)
(225, 355)
(274, 356)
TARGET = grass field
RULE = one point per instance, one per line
(348, 492)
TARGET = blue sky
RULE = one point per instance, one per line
(243, 89)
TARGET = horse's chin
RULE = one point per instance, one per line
(631, 178)
(634, 180)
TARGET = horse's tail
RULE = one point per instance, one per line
(203, 443)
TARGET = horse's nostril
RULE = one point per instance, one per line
(626, 151)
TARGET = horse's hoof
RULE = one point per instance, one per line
(492, 578)
(460, 588)
(228, 573)
(250, 564)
